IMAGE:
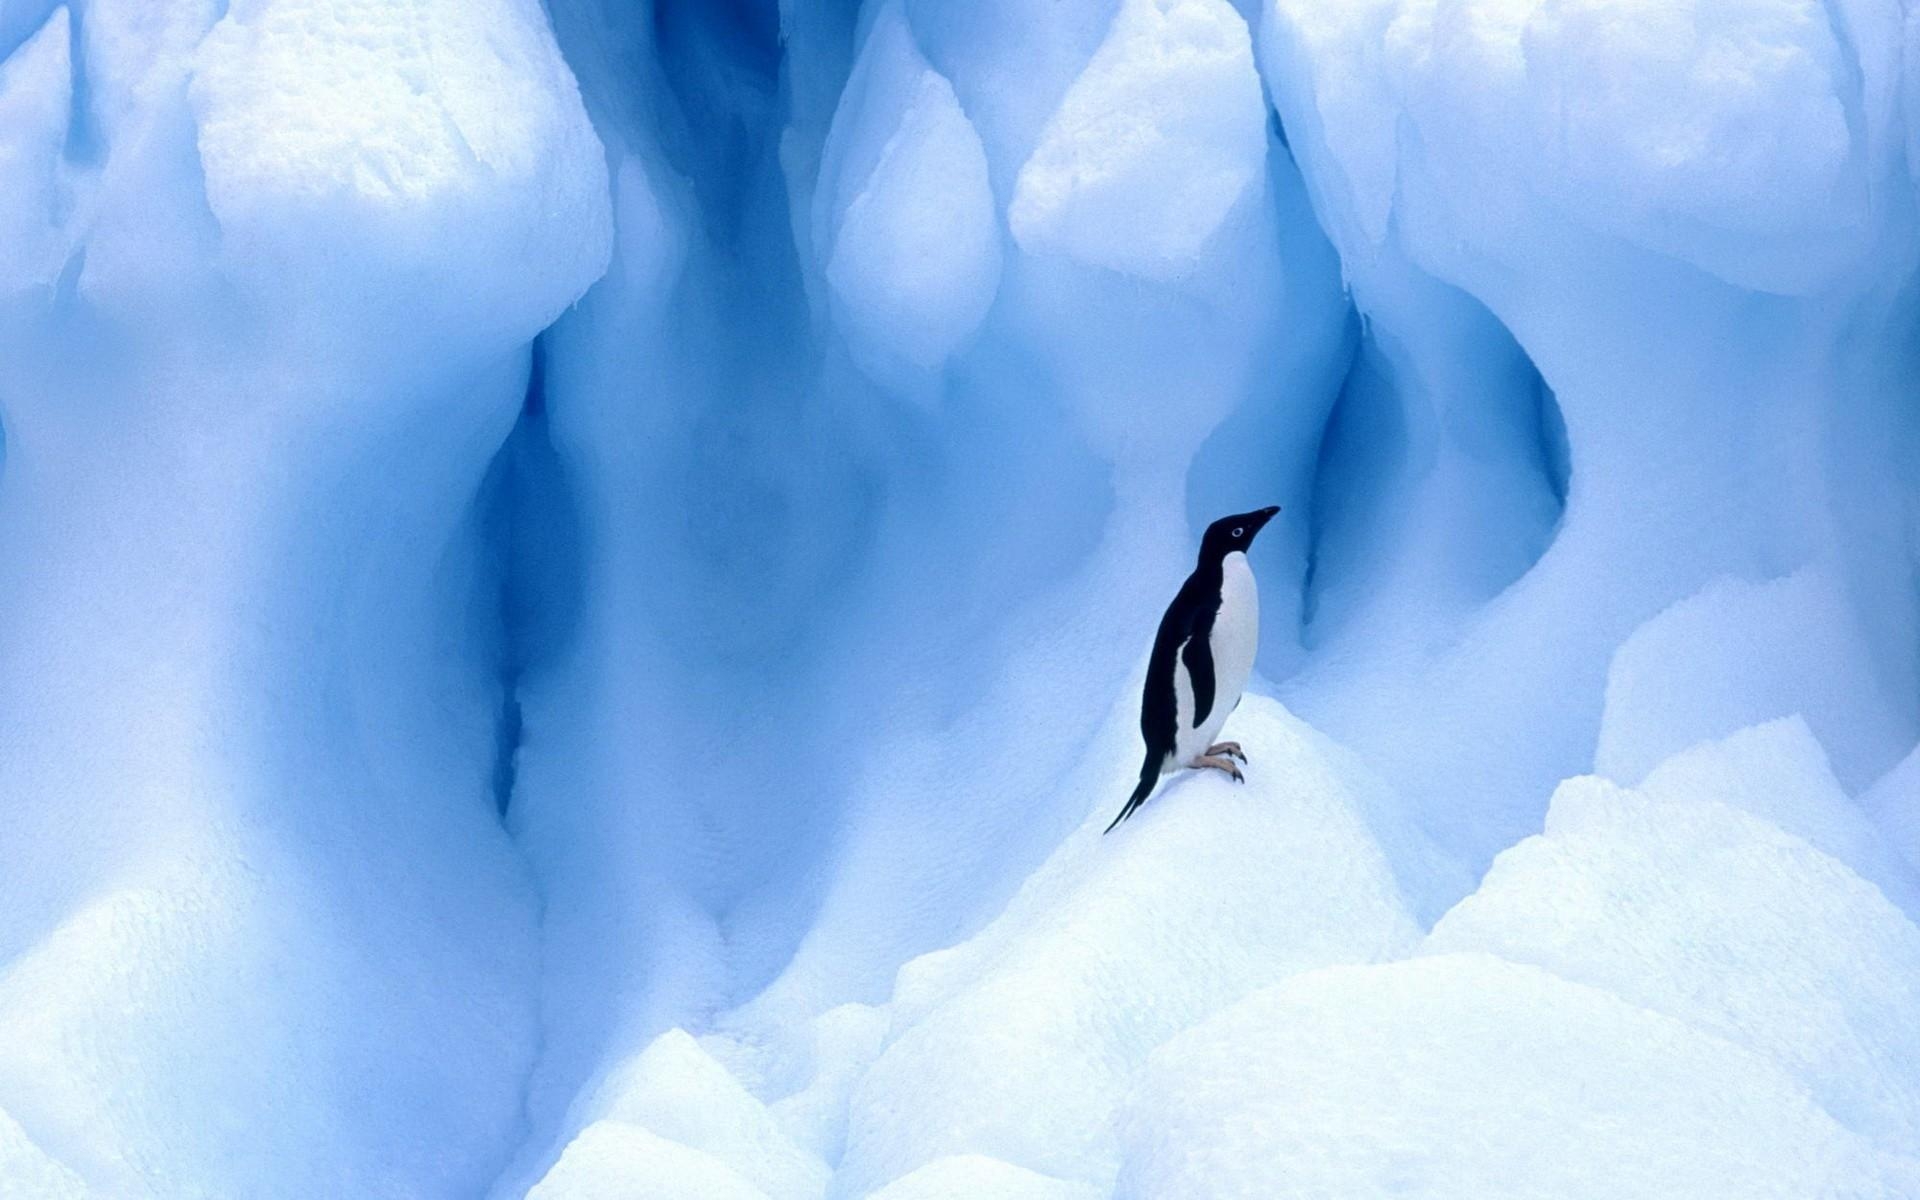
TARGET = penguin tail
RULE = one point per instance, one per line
(1149, 775)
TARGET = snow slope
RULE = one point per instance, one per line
(574, 581)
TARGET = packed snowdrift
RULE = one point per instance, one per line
(575, 583)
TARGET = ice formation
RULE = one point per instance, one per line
(574, 580)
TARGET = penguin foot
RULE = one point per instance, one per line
(1228, 749)
(1218, 764)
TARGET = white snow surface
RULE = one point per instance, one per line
(1465, 1075)
(575, 580)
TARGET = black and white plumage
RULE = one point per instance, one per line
(1201, 658)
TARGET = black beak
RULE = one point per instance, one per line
(1261, 518)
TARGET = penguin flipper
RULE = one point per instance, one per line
(1197, 655)
(1149, 775)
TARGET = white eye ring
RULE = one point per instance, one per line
(1236, 531)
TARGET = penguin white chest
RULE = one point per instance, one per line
(1234, 640)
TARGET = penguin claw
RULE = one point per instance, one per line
(1229, 750)
(1219, 764)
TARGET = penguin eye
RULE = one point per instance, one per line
(1236, 531)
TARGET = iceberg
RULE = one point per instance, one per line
(575, 577)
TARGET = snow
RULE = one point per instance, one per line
(334, 136)
(676, 1091)
(1689, 907)
(1702, 669)
(1779, 772)
(1154, 145)
(1462, 1075)
(964, 1176)
(611, 1160)
(1116, 944)
(1894, 804)
(26, 1171)
(576, 578)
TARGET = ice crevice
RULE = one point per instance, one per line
(575, 579)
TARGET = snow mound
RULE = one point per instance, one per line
(1778, 772)
(1116, 944)
(842, 1044)
(675, 1089)
(1737, 653)
(1152, 148)
(1689, 907)
(27, 1172)
(1462, 1076)
(971, 1177)
(106, 1024)
(611, 1160)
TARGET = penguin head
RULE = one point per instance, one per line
(1236, 532)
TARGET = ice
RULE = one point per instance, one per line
(611, 1160)
(1116, 944)
(264, 934)
(1778, 771)
(331, 140)
(1894, 804)
(1156, 143)
(1715, 133)
(1684, 905)
(35, 104)
(1010, 61)
(1714, 663)
(813, 503)
(914, 254)
(967, 1176)
(575, 580)
(26, 1171)
(843, 1044)
(1690, 335)
(1461, 1076)
(675, 1090)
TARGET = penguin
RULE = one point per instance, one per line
(1201, 658)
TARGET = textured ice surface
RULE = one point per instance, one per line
(1778, 771)
(1462, 1076)
(1116, 944)
(265, 324)
(914, 247)
(611, 1160)
(1678, 902)
(1736, 653)
(966, 1176)
(1713, 132)
(1154, 145)
(429, 136)
(25, 1170)
(574, 581)
(35, 107)
(1894, 804)
(674, 1089)
(1690, 339)
(841, 1044)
